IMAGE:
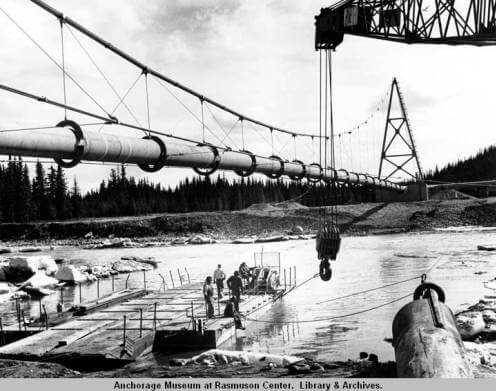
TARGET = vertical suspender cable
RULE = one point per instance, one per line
(313, 149)
(63, 65)
(294, 142)
(272, 140)
(242, 133)
(202, 120)
(147, 99)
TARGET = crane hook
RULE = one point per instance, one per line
(325, 270)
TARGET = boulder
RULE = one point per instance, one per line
(271, 239)
(230, 356)
(33, 264)
(29, 250)
(470, 324)
(489, 316)
(24, 264)
(244, 240)
(3, 274)
(48, 264)
(201, 240)
(179, 241)
(297, 230)
(41, 280)
(150, 260)
(299, 369)
(130, 266)
(5, 288)
(70, 274)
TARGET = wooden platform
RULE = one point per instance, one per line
(118, 333)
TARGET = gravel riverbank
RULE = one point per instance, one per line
(260, 220)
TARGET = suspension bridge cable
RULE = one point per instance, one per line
(229, 132)
(107, 121)
(123, 98)
(221, 127)
(112, 120)
(100, 71)
(261, 134)
(188, 109)
(54, 61)
(142, 66)
(44, 127)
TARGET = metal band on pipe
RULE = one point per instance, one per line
(302, 175)
(160, 163)
(251, 170)
(215, 164)
(321, 175)
(278, 174)
(78, 147)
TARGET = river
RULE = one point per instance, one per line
(363, 263)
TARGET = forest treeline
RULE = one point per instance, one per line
(46, 194)
(480, 167)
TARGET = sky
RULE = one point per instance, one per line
(255, 56)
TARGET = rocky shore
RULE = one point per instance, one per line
(477, 326)
(261, 220)
(366, 367)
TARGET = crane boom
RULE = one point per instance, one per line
(471, 22)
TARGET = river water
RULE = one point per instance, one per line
(363, 263)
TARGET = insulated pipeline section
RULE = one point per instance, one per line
(153, 152)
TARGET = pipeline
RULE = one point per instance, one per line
(68, 144)
(426, 340)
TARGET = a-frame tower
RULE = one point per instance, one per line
(399, 153)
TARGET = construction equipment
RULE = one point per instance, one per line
(471, 22)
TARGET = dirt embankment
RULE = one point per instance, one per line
(340, 369)
(266, 219)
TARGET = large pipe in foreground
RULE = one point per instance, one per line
(65, 143)
(426, 340)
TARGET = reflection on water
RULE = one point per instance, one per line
(364, 263)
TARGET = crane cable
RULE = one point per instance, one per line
(328, 238)
(422, 277)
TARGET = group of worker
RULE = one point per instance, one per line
(236, 283)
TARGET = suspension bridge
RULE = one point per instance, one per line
(336, 156)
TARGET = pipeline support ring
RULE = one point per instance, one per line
(215, 164)
(160, 163)
(251, 170)
(302, 175)
(78, 146)
(278, 174)
(321, 173)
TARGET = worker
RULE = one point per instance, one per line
(235, 285)
(219, 278)
(208, 294)
(244, 271)
(231, 311)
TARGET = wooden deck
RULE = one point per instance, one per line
(115, 334)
